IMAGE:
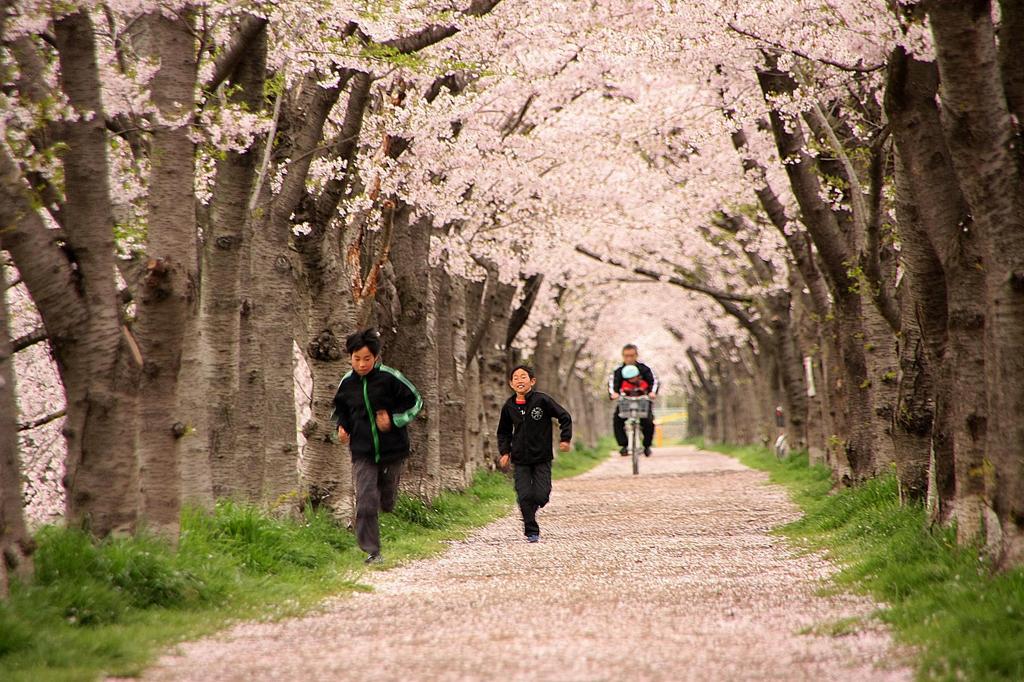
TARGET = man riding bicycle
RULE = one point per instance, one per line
(642, 382)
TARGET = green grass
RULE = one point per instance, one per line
(578, 460)
(966, 622)
(107, 608)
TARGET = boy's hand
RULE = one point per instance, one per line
(564, 446)
(503, 462)
(652, 396)
(342, 434)
(615, 396)
(383, 420)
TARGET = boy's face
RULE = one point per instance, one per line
(521, 382)
(629, 356)
(363, 361)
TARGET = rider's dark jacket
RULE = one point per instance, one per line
(524, 429)
(646, 373)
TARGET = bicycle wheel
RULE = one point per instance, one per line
(635, 445)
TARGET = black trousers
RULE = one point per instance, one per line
(376, 490)
(533, 490)
(646, 426)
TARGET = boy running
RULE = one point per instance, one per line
(524, 438)
(372, 407)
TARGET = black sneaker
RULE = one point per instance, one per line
(534, 537)
(374, 558)
(624, 452)
(647, 452)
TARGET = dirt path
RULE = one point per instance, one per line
(671, 575)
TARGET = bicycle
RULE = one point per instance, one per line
(633, 410)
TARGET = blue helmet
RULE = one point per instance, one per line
(630, 372)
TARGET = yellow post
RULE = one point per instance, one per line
(659, 435)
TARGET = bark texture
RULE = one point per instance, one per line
(167, 298)
(100, 373)
(415, 348)
(16, 543)
(984, 149)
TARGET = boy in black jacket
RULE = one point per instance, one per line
(372, 407)
(524, 438)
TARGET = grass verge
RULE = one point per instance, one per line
(109, 608)
(965, 622)
(579, 460)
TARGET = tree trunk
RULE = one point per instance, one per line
(450, 301)
(15, 541)
(708, 397)
(194, 460)
(932, 216)
(474, 422)
(853, 398)
(493, 368)
(920, 414)
(881, 362)
(225, 301)
(275, 276)
(100, 379)
(521, 315)
(791, 373)
(415, 348)
(983, 145)
(695, 426)
(544, 361)
(166, 298)
(274, 283)
(248, 417)
(858, 417)
(326, 465)
(914, 415)
(576, 400)
(946, 270)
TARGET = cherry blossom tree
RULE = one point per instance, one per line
(802, 204)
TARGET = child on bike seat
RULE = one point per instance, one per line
(634, 386)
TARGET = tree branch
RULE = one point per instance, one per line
(516, 119)
(487, 302)
(881, 290)
(30, 339)
(792, 232)
(226, 62)
(757, 330)
(702, 377)
(821, 124)
(344, 148)
(45, 269)
(304, 127)
(764, 270)
(821, 223)
(531, 287)
(779, 47)
(435, 33)
(668, 279)
(41, 421)
(578, 350)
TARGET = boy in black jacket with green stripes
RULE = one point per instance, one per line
(372, 407)
(525, 437)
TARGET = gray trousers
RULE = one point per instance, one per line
(376, 490)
